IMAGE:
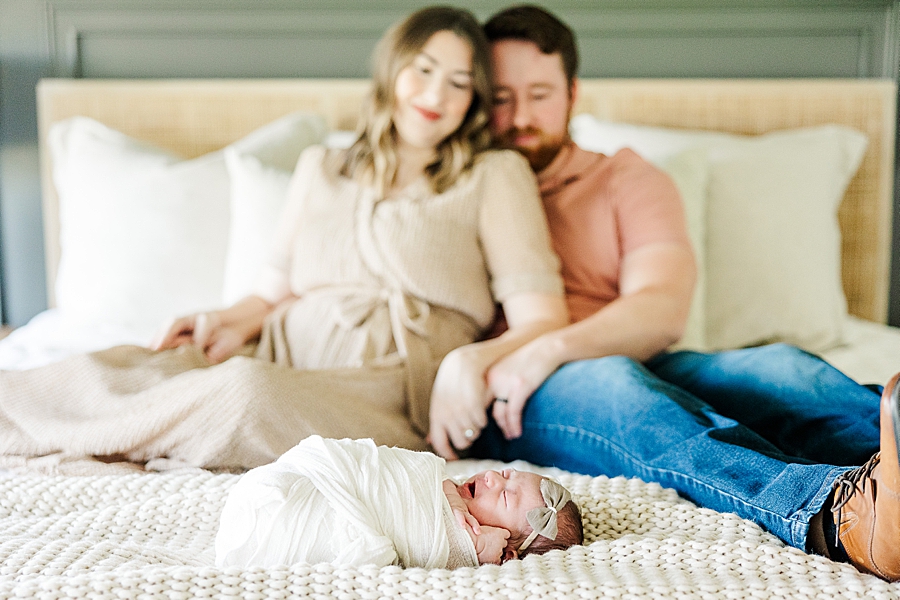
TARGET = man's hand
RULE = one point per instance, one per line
(655, 285)
(516, 376)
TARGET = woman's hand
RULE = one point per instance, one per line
(219, 334)
(515, 377)
(459, 400)
(460, 396)
(205, 331)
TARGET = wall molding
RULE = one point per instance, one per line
(90, 36)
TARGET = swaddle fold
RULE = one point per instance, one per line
(345, 502)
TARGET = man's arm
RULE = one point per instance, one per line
(655, 285)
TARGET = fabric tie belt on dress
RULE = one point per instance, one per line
(407, 313)
(409, 328)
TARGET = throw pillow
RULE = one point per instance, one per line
(772, 237)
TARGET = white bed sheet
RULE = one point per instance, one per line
(150, 536)
(49, 337)
(871, 353)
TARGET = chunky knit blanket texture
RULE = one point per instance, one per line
(151, 536)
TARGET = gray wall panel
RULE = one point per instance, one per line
(25, 57)
(205, 55)
(725, 55)
(709, 39)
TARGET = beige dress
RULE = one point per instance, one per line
(380, 290)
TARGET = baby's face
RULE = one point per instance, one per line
(502, 499)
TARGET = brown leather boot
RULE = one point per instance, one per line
(867, 499)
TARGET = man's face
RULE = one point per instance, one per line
(532, 101)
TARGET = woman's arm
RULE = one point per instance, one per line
(524, 273)
(460, 395)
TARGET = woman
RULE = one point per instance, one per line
(389, 255)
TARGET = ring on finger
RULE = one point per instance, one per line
(469, 433)
(501, 400)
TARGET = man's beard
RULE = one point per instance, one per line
(538, 156)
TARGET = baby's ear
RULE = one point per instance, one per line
(509, 553)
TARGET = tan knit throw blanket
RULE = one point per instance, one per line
(151, 536)
(144, 405)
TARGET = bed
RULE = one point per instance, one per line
(788, 189)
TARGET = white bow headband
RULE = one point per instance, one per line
(543, 518)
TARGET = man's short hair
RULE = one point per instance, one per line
(531, 23)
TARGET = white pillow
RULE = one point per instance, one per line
(258, 193)
(279, 143)
(773, 243)
(340, 138)
(143, 233)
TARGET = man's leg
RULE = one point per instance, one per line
(612, 416)
(793, 399)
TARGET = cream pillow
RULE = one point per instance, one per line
(772, 243)
(143, 233)
(690, 172)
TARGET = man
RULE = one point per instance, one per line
(768, 433)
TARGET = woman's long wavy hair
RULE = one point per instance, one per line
(372, 159)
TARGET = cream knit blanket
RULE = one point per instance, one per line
(151, 536)
(346, 502)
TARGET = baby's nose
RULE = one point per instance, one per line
(492, 478)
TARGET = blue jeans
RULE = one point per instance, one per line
(760, 432)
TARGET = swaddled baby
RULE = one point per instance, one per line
(351, 502)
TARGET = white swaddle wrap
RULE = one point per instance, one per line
(345, 502)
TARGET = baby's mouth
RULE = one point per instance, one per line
(471, 486)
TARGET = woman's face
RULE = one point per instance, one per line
(434, 92)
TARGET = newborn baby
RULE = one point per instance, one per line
(353, 503)
(511, 513)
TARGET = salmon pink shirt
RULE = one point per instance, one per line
(599, 209)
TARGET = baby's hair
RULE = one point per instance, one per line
(570, 532)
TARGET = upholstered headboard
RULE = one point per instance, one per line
(193, 117)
